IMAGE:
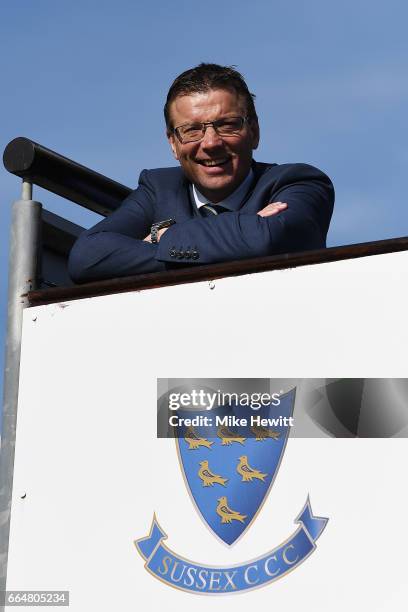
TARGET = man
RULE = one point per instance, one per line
(219, 205)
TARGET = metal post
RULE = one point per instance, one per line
(24, 254)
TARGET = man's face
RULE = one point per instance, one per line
(232, 154)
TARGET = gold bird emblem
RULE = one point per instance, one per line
(228, 437)
(209, 479)
(262, 433)
(194, 441)
(227, 515)
(247, 472)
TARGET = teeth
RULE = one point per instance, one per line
(213, 162)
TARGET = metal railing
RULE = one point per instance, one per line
(58, 174)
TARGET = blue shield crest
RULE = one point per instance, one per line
(230, 461)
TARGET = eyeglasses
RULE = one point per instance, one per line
(192, 132)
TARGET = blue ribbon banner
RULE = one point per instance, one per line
(186, 575)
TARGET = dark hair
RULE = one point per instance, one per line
(205, 77)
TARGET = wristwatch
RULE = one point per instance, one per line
(158, 226)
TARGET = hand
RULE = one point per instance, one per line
(274, 208)
(159, 235)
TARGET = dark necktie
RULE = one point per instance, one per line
(208, 210)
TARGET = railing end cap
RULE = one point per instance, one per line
(18, 155)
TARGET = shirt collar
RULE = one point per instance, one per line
(233, 202)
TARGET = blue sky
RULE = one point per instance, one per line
(88, 79)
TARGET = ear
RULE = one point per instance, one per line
(254, 128)
(173, 142)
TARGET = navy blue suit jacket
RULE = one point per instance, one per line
(114, 247)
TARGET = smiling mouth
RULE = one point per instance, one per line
(209, 163)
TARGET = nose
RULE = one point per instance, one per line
(211, 138)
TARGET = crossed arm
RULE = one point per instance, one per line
(296, 216)
(273, 208)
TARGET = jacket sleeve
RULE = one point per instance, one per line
(115, 247)
(238, 235)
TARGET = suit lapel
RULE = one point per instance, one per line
(184, 207)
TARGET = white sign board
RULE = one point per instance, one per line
(90, 472)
